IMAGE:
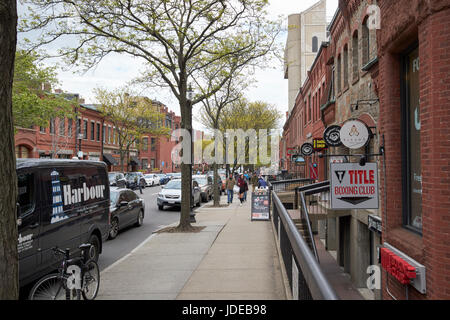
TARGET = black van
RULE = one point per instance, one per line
(62, 203)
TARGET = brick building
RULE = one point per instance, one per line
(395, 78)
(341, 86)
(97, 139)
(414, 89)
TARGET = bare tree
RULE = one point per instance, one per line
(177, 39)
(9, 268)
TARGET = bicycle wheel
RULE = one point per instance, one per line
(91, 280)
(51, 287)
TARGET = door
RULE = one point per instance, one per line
(60, 211)
(134, 205)
(121, 211)
(28, 225)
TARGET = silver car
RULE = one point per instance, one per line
(205, 182)
(170, 195)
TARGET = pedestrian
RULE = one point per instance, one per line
(241, 184)
(231, 182)
(137, 180)
(261, 182)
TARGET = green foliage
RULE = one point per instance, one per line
(32, 105)
(131, 115)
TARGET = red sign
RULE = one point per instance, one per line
(314, 174)
(397, 267)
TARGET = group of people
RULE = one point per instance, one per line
(242, 182)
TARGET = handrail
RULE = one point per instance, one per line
(290, 181)
(308, 187)
(308, 223)
(318, 284)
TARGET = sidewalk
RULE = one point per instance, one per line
(232, 258)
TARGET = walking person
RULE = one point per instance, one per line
(241, 184)
(231, 182)
(137, 180)
(261, 182)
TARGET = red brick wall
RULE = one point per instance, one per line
(403, 23)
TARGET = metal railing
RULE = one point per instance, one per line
(309, 199)
(288, 185)
(304, 273)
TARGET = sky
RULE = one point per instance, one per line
(116, 70)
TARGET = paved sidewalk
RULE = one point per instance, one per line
(232, 258)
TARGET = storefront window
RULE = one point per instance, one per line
(412, 174)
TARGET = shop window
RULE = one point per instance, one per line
(411, 169)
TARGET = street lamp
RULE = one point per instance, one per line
(80, 153)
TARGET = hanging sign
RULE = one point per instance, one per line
(298, 159)
(354, 186)
(307, 149)
(354, 134)
(319, 144)
(332, 136)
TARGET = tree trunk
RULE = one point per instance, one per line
(186, 169)
(9, 267)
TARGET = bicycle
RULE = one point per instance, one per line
(76, 277)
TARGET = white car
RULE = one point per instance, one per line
(151, 179)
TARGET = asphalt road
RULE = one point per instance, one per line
(131, 237)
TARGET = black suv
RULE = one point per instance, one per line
(133, 178)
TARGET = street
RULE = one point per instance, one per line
(129, 238)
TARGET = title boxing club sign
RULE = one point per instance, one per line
(354, 186)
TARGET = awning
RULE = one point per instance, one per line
(135, 161)
(109, 159)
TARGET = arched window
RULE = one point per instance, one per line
(315, 44)
(22, 152)
(338, 75)
(355, 60)
(365, 42)
(345, 66)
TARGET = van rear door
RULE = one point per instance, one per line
(29, 224)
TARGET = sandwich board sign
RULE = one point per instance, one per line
(354, 186)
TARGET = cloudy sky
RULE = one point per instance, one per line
(115, 70)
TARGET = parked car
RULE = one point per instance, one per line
(126, 209)
(175, 175)
(133, 178)
(163, 179)
(170, 195)
(117, 179)
(205, 183)
(151, 179)
(62, 203)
